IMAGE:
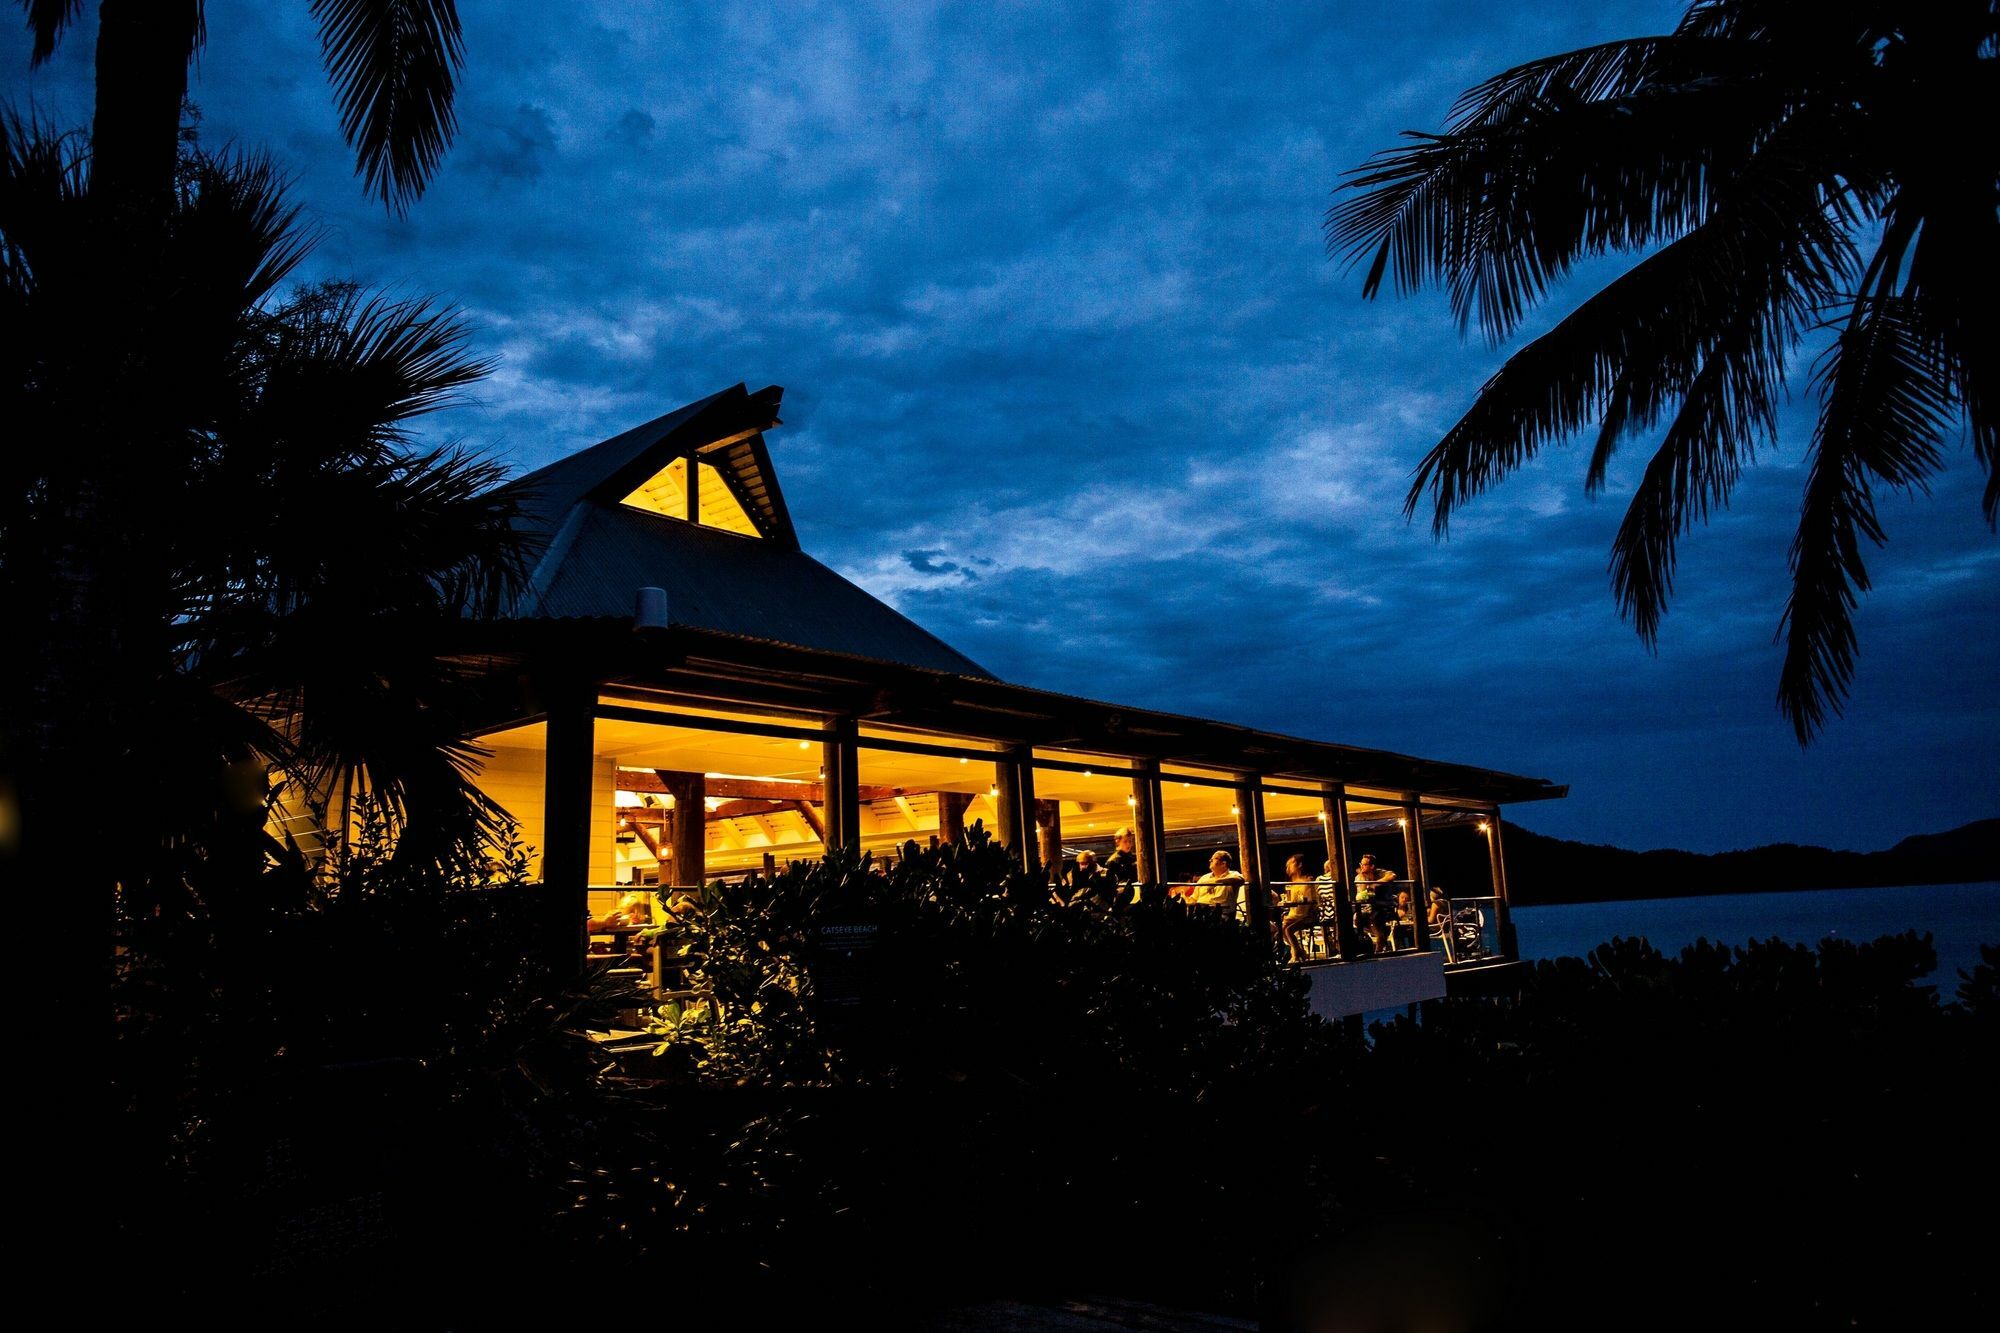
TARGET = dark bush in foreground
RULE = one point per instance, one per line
(1011, 1098)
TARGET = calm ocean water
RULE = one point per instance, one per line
(1960, 918)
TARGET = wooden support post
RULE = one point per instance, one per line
(843, 784)
(951, 815)
(1048, 837)
(1333, 804)
(1014, 781)
(687, 833)
(1250, 850)
(646, 839)
(1497, 855)
(1146, 844)
(1420, 878)
(694, 489)
(566, 812)
(1007, 803)
(1026, 832)
(770, 865)
(1413, 843)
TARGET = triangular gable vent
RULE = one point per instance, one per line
(715, 503)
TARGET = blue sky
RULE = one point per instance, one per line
(1069, 380)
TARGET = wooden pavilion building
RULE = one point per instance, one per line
(682, 694)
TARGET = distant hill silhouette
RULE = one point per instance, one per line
(1554, 870)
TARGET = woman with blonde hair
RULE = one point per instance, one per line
(1301, 908)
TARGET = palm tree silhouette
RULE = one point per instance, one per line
(393, 65)
(288, 571)
(1784, 169)
(139, 280)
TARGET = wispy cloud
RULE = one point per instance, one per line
(1069, 379)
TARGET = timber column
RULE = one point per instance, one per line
(951, 815)
(1250, 846)
(687, 848)
(1333, 808)
(1496, 853)
(1014, 803)
(1420, 880)
(1048, 837)
(841, 758)
(567, 762)
(1026, 828)
(1146, 844)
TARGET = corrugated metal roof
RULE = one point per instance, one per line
(728, 584)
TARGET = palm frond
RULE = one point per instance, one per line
(1885, 402)
(1630, 351)
(1593, 73)
(1524, 185)
(1790, 256)
(236, 233)
(1730, 407)
(44, 176)
(1953, 276)
(47, 19)
(342, 374)
(394, 68)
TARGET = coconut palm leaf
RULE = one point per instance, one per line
(1743, 157)
(285, 541)
(47, 19)
(1886, 401)
(394, 68)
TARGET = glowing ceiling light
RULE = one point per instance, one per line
(805, 745)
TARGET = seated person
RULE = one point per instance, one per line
(1219, 887)
(634, 909)
(1438, 911)
(1090, 884)
(633, 913)
(1372, 910)
(1301, 903)
(1405, 925)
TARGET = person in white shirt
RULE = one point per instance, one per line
(1219, 887)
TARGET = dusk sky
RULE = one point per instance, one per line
(1069, 380)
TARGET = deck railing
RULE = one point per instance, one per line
(1470, 931)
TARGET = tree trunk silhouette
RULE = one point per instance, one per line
(143, 48)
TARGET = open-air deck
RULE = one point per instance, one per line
(682, 695)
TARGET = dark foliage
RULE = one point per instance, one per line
(1012, 1098)
(393, 66)
(289, 566)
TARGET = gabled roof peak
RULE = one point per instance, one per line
(724, 430)
(602, 542)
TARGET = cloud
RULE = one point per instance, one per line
(635, 127)
(515, 149)
(1069, 379)
(931, 563)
